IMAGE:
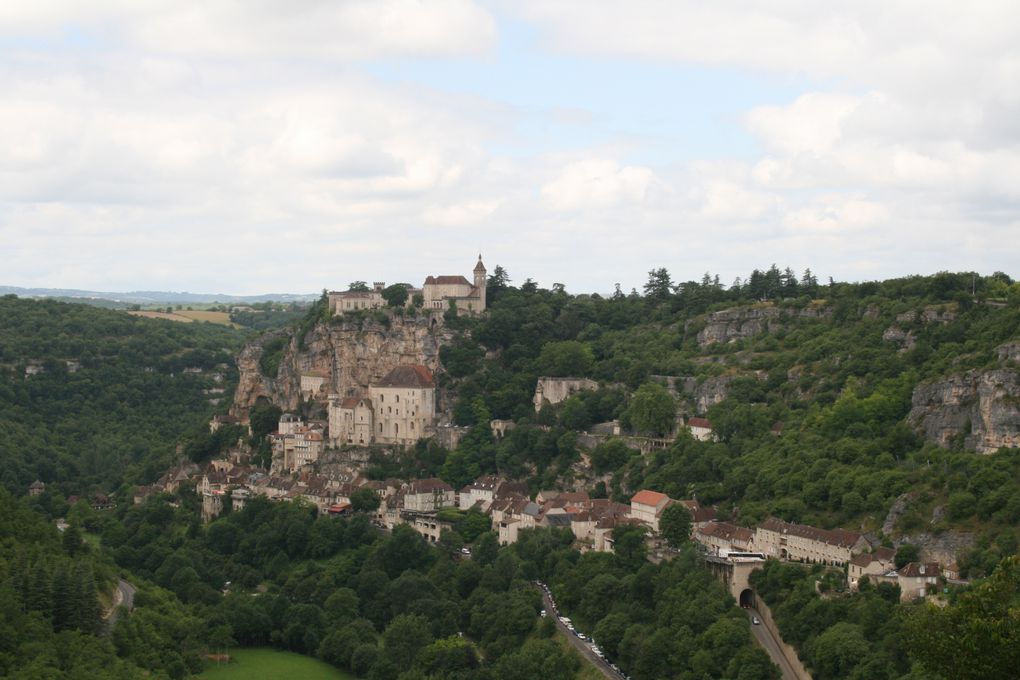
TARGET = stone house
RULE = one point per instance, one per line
(701, 429)
(918, 579)
(482, 490)
(424, 495)
(353, 300)
(804, 543)
(721, 538)
(871, 564)
(646, 506)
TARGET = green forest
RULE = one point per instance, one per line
(811, 424)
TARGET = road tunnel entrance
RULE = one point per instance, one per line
(747, 598)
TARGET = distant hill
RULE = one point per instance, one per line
(144, 297)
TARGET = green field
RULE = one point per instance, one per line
(272, 664)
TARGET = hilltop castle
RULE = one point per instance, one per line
(437, 292)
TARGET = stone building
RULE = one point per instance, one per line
(804, 543)
(555, 390)
(646, 506)
(350, 420)
(440, 291)
(353, 300)
(399, 409)
(437, 292)
(405, 405)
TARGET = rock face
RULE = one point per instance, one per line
(900, 336)
(706, 393)
(350, 355)
(982, 406)
(944, 548)
(729, 325)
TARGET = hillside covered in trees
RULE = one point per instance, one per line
(828, 403)
(91, 398)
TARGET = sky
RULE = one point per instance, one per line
(253, 146)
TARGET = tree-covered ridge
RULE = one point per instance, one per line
(90, 397)
(812, 424)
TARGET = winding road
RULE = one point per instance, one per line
(124, 596)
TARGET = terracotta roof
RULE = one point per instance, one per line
(349, 402)
(647, 497)
(699, 422)
(408, 376)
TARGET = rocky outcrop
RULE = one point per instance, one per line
(943, 548)
(1009, 351)
(348, 354)
(982, 407)
(729, 325)
(707, 392)
(927, 315)
(900, 336)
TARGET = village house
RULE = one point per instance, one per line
(354, 300)
(722, 538)
(918, 579)
(423, 495)
(870, 564)
(803, 543)
(701, 429)
(646, 506)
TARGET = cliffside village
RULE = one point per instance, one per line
(418, 503)
(400, 408)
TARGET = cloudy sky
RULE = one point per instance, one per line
(247, 146)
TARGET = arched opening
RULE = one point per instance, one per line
(783, 554)
(747, 598)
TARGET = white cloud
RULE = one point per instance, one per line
(240, 146)
(596, 183)
(352, 29)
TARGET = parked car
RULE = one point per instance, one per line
(755, 620)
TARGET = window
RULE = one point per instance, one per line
(398, 398)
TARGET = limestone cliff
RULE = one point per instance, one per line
(982, 407)
(347, 354)
(728, 325)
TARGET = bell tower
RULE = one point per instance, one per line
(480, 282)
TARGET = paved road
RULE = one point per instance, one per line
(582, 647)
(769, 643)
(124, 597)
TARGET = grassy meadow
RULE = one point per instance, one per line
(272, 664)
